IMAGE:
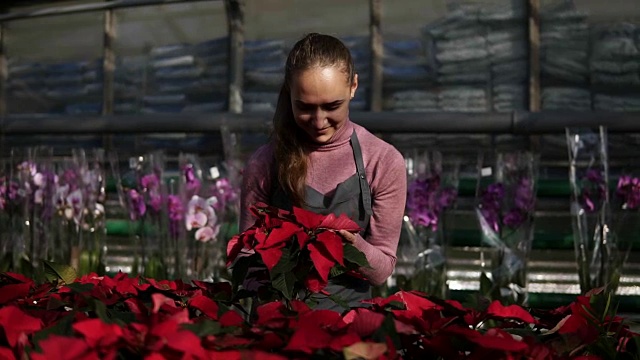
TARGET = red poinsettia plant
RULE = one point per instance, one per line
(299, 251)
(123, 317)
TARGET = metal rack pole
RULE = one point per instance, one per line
(377, 53)
(235, 23)
(534, 55)
(91, 7)
(520, 123)
(108, 70)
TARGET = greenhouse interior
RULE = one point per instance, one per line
(518, 120)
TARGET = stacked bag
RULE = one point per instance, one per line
(360, 49)
(264, 62)
(564, 38)
(187, 78)
(173, 78)
(507, 44)
(457, 51)
(129, 84)
(55, 88)
(615, 67)
(479, 54)
(407, 77)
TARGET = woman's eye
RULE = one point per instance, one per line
(304, 107)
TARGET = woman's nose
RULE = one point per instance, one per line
(318, 119)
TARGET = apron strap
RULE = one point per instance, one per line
(364, 185)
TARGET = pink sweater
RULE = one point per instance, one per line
(332, 163)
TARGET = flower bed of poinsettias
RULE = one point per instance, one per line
(124, 317)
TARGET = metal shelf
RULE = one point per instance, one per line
(517, 123)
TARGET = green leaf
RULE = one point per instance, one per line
(135, 266)
(204, 328)
(122, 318)
(340, 301)
(239, 272)
(63, 272)
(101, 311)
(80, 288)
(388, 329)
(154, 268)
(485, 284)
(284, 282)
(5, 264)
(54, 303)
(396, 305)
(337, 270)
(355, 256)
(26, 268)
(61, 327)
(84, 262)
(284, 265)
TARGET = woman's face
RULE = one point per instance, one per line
(320, 100)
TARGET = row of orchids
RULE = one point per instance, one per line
(52, 210)
(602, 216)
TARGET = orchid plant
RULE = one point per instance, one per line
(432, 190)
(144, 192)
(505, 212)
(209, 201)
(628, 192)
(598, 256)
(36, 178)
(11, 219)
(79, 207)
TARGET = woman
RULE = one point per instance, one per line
(319, 160)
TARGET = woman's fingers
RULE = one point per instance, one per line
(348, 236)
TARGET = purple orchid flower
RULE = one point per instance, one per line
(176, 214)
(190, 179)
(628, 190)
(514, 218)
(70, 177)
(593, 191)
(150, 182)
(524, 198)
(202, 216)
(225, 193)
(426, 200)
(155, 201)
(9, 193)
(137, 207)
(492, 204)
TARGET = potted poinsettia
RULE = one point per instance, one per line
(301, 251)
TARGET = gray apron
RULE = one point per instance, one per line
(352, 197)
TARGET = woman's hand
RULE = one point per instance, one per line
(348, 236)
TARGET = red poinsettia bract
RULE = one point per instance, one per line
(275, 228)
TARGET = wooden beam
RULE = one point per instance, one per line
(377, 53)
(235, 22)
(4, 71)
(109, 62)
(535, 103)
(87, 7)
(108, 71)
(519, 123)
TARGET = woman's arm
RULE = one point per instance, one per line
(256, 183)
(389, 193)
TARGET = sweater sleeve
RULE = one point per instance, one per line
(256, 183)
(389, 193)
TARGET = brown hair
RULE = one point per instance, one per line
(314, 50)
